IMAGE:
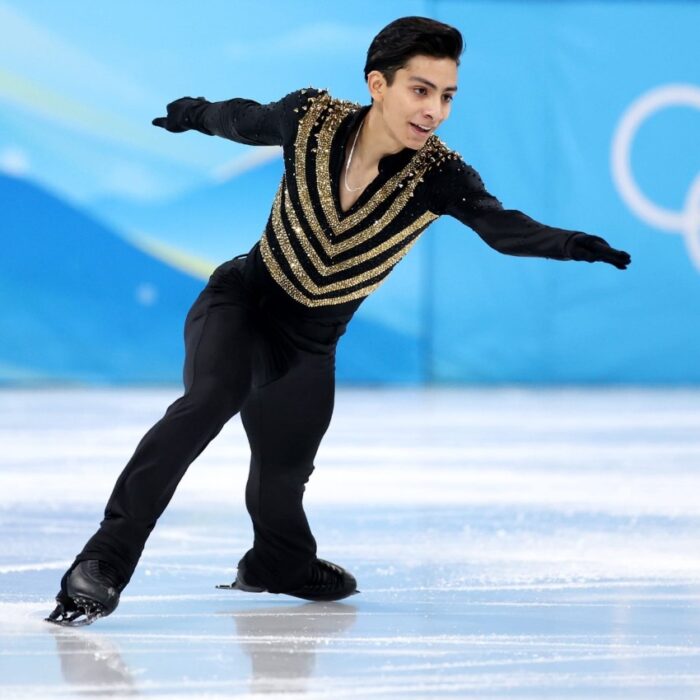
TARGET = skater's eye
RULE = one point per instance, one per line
(449, 97)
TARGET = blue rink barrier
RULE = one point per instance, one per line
(584, 115)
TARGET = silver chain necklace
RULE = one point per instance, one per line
(347, 165)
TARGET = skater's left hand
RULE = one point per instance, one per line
(590, 248)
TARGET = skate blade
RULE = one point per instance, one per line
(77, 618)
(86, 614)
(323, 599)
(345, 597)
(237, 586)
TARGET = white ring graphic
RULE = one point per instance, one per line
(685, 222)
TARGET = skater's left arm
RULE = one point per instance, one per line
(462, 195)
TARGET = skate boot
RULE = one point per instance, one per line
(89, 590)
(326, 582)
(243, 582)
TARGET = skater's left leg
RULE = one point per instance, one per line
(285, 421)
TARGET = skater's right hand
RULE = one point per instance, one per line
(179, 114)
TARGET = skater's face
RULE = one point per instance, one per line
(421, 95)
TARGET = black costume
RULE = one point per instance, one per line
(261, 336)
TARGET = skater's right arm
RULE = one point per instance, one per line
(238, 119)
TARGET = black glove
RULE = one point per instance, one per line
(181, 115)
(589, 248)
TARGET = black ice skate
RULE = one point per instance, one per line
(327, 582)
(89, 590)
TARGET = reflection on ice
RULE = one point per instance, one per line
(282, 643)
(92, 663)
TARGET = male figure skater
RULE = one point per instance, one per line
(360, 185)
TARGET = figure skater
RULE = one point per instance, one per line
(361, 183)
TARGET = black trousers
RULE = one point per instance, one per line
(241, 354)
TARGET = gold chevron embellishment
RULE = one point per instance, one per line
(414, 170)
(324, 269)
(331, 270)
(294, 220)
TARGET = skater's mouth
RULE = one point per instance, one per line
(420, 129)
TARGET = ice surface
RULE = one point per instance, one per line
(507, 543)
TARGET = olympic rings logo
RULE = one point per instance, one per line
(685, 222)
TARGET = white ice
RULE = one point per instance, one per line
(508, 543)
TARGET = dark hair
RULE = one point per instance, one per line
(407, 37)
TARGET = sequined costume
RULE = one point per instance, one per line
(260, 339)
(328, 261)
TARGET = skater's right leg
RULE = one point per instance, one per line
(219, 344)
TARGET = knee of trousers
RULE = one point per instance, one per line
(284, 473)
(279, 450)
(282, 483)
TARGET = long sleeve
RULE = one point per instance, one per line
(247, 121)
(509, 231)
